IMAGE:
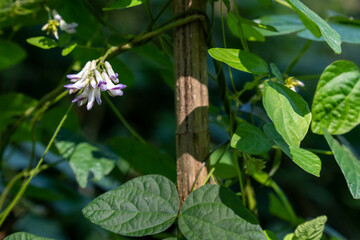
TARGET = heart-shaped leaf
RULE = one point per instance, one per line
(143, 206)
(336, 102)
(215, 212)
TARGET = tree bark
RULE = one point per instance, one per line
(192, 100)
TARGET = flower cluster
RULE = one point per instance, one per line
(293, 83)
(56, 21)
(92, 80)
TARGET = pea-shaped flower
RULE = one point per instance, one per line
(91, 80)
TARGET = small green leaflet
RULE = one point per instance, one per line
(120, 4)
(42, 42)
(143, 206)
(289, 112)
(250, 139)
(305, 159)
(336, 102)
(10, 54)
(349, 165)
(214, 212)
(68, 49)
(24, 236)
(239, 59)
(310, 230)
(310, 19)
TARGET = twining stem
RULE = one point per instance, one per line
(238, 171)
(22, 190)
(139, 40)
(123, 120)
(37, 118)
(241, 31)
(224, 40)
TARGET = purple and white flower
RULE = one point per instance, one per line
(91, 81)
(56, 21)
(113, 76)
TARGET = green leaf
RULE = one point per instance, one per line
(305, 159)
(336, 102)
(215, 212)
(68, 49)
(239, 59)
(84, 157)
(24, 236)
(144, 157)
(349, 165)
(310, 230)
(250, 33)
(275, 70)
(270, 235)
(289, 112)
(250, 139)
(349, 33)
(120, 4)
(88, 158)
(143, 206)
(289, 236)
(331, 36)
(284, 24)
(10, 54)
(42, 42)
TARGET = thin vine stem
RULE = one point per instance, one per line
(241, 183)
(224, 40)
(241, 31)
(123, 120)
(22, 190)
(145, 37)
